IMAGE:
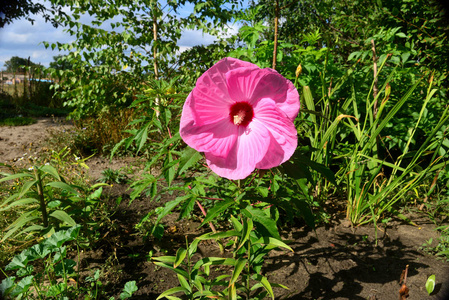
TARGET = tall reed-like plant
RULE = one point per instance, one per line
(370, 191)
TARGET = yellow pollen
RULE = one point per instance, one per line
(239, 117)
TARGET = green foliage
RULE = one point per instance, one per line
(113, 56)
(249, 249)
(45, 271)
(18, 64)
(111, 176)
(53, 256)
(47, 201)
(17, 121)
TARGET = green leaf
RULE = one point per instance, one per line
(56, 289)
(188, 158)
(179, 271)
(240, 264)
(217, 209)
(261, 218)
(18, 223)
(129, 289)
(169, 206)
(183, 282)
(22, 286)
(165, 259)
(187, 207)
(65, 267)
(63, 186)
(169, 168)
(52, 171)
(15, 176)
(180, 255)
(26, 186)
(173, 291)
(63, 217)
(272, 242)
(6, 285)
(247, 228)
(219, 235)
(266, 284)
(18, 261)
(58, 238)
(20, 202)
(430, 284)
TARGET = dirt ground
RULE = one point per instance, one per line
(333, 261)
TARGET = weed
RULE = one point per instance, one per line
(112, 176)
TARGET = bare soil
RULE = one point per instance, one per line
(332, 261)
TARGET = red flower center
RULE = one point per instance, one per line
(241, 113)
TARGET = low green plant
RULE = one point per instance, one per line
(52, 256)
(47, 201)
(43, 271)
(243, 271)
(111, 176)
(442, 247)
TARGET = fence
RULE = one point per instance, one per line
(27, 87)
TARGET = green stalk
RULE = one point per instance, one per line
(40, 192)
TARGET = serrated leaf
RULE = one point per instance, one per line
(217, 209)
(6, 285)
(188, 158)
(187, 207)
(129, 289)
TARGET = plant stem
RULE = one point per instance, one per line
(40, 192)
(205, 214)
(276, 22)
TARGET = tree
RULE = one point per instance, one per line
(127, 43)
(15, 64)
(11, 10)
(61, 62)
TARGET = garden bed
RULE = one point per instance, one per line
(334, 261)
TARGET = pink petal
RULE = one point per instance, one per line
(283, 134)
(210, 99)
(282, 91)
(250, 148)
(243, 82)
(217, 138)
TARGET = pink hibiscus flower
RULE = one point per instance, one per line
(241, 117)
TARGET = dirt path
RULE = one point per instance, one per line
(15, 141)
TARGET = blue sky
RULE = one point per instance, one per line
(23, 39)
